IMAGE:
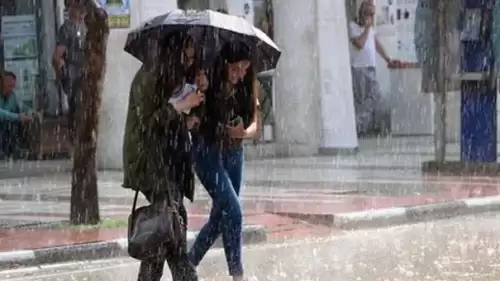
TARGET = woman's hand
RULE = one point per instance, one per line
(195, 99)
(192, 122)
(236, 132)
(190, 101)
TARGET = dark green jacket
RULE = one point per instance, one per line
(156, 146)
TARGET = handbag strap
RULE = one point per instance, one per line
(135, 201)
(169, 200)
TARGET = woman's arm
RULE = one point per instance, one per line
(155, 111)
(253, 131)
(192, 100)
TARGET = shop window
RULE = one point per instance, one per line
(21, 49)
(28, 30)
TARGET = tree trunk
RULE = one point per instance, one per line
(84, 193)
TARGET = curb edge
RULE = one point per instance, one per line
(253, 234)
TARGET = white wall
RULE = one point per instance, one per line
(236, 7)
(313, 101)
(297, 99)
(121, 68)
(337, 104)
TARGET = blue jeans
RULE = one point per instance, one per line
(221, 175)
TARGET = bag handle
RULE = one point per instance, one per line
(136, 196)
(169, 200)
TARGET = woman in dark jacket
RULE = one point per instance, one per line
(231, 116)
(157, 158)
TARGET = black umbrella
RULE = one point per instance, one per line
(209, 29)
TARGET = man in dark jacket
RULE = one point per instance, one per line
(68, 56)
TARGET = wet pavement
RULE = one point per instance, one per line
(270, 186)
(459, 249)
(278, 228)
(385, 174)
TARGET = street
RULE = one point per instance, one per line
(465, 248)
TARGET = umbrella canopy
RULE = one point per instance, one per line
(209, 29)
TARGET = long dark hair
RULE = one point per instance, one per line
(172, 142)
(245, 97)
(171, 71)
(243, 89)
(213, 124)
(230, 53)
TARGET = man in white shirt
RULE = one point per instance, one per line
(367, 95)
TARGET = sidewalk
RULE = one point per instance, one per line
(285, 198)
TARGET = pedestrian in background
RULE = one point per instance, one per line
(371, 110)
(68, 58)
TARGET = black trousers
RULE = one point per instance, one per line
(181, 269)
(15, 140)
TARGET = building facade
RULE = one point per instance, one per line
(307, 102)
(28, 38)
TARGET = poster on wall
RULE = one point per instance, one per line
(21, 53)
(19, 37)
(118, 12)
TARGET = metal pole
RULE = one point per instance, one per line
(441, 89)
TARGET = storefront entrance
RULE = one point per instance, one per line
(21, 46)
(28, 29)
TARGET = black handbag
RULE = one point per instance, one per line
(154, 229)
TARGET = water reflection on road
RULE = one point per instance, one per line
(458, 249)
